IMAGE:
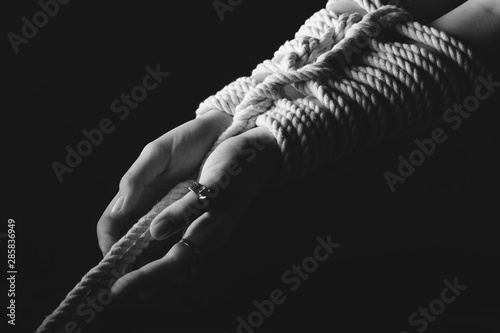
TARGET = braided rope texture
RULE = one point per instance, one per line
(362, 79)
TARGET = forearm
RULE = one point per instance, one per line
(345, 82)
(476, 22)
(394, 90)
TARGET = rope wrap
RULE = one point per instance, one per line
(362, 79)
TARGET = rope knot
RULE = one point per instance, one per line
(361, 34)
(315, 57)
(296, 60)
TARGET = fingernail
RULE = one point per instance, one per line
(118, 205)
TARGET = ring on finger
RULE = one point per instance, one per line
(193, 271)
(202, 192)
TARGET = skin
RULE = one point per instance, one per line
(178, 154)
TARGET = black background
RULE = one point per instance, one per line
(397, 248)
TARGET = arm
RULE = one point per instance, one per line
(351, 129)
(476, 22)
(208, 230)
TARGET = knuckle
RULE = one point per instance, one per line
(99, 228)
(244, 142)
(158, 149)
(150, 146)
(128, 180)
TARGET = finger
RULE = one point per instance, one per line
(345, 6)
(152, 161)
(221, 168)
(155, 165)
(188, 142)
(109, 228)
(232, 178)
(148, 165)
(210, 229)
(177, 216)
(160, 272)
(253, 158)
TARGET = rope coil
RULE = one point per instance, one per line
(363, 79)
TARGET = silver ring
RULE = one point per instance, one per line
(201, 190)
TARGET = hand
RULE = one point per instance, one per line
(237, 170)
(161, 165)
